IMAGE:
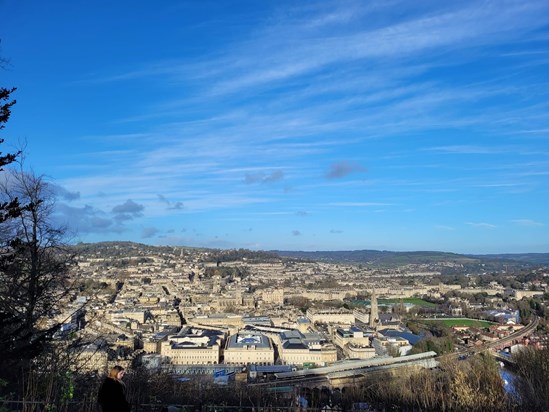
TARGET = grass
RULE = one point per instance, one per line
(415, 301)
(474, 323)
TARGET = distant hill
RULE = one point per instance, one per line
(530, 258)
(121, 249)
(383, 258)
(372, 258)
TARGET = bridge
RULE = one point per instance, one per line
(515, 336)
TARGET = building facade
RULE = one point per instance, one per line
(248, 348)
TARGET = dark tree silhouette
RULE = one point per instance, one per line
(7, 209)
(33, 263)
(34, 268)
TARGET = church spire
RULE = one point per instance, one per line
(374, 316)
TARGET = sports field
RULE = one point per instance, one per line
(415, 301)
(474, 323)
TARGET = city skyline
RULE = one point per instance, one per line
(277, 125)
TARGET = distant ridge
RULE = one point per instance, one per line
(378, 256)
(374, 258)
(532, 258)
(384, 257)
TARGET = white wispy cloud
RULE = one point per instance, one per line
(359, 204)
(297, 48)
(468, 149)
(482, 225)
(444, 227)
(309, 53)
(282, 103)
(527, 223)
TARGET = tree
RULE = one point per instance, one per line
(532, 378)
(470, 385)
(9, 209)
(33, 279)
(33, 268)
(300, 302)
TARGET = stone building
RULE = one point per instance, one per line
(337, 316)
(248, 348)
(193, 347)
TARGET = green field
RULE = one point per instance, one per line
(414, 301)
(475, 323)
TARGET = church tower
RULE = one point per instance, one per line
(374, 316)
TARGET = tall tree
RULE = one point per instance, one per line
(33, 263)
(34, 268)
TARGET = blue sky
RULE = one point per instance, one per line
(288, 125)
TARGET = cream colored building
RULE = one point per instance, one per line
(224, 302)
(353, 335)
(354, 343)
(519, 294)
(193, 347)
(296, 352)
(361, 316)
(329, 294)
(200, 298)
(382, 344)
(148, 299)
(248, 348)
(153, 344)
(338, 316)
(138, 315)
(219, 320)
(297, 348)
(91, 359)
(273, 296)
(184, 354)
(356, 351)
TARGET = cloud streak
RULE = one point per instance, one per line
(482, 225)
(446, 104)
(527, 223)
(262, 178)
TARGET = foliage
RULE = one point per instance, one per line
(33, 269)
(532, 378)
(299, 302)
(439, 345)
(233, 255)
(8, 209)
(472, 385)
(226, 272)
(526, 310)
